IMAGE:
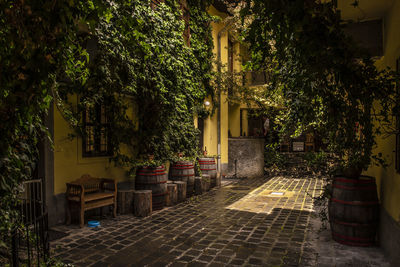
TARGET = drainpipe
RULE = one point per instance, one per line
(225, 28)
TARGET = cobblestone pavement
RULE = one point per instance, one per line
(246, 223)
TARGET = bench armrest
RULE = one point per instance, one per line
(75, 189)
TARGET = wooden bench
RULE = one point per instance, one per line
(89, 193)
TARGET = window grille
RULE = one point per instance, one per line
(96, 128)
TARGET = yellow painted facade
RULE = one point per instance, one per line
(234, 119)
(388, 180)
(70, 165)
(234, 108)
(211, 123)
(230, 113)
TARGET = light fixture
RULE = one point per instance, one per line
(206, 103)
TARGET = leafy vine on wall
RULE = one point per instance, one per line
(140, 62)
(38, 44)
(144, 56)
(325, 80)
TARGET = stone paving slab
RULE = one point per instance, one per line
(240, 224)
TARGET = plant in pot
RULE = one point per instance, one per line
(328, 83)
(183, 168)
(208, 166)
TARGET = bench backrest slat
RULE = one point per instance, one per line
(90, 184)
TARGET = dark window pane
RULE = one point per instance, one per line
(96, 139)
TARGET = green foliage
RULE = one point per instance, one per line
(38, 42)
(326, 81)
(201, 42)
(144, 56)
(140, 60)
(273, 159)
(320, 162)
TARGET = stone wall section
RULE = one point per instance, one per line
(246, 157)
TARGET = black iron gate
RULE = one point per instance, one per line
(30, 243)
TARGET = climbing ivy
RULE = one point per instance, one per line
(140, 65)
(326, 81)
(141, 56)
(39, 45)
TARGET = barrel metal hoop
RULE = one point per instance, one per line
(355, 203)
(207, 169)
(370, 188)
(354, 224)
(352, 238)
(182, 165)
(353, 181)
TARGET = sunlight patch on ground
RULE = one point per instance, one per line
(278, 192)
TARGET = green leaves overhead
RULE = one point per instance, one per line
(328, 83)
(120, 53)
(140, 51)
(39, 47)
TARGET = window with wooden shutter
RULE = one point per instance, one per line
(96, 128)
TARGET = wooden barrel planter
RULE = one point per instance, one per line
(209, 167)
(354, 211)
(183, 171)
(154, 179)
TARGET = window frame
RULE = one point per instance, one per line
(99, 124)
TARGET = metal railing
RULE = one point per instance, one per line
(29, 242)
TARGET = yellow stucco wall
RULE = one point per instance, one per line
(234, 119)
(210, 134)
(388, 179)
(211, 123)
(234, 108)
(69, 164)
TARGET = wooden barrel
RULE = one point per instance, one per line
(354, 211)
(209, 167)
(154, 179)
(183, 171)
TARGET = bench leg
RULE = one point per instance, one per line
(115, 209)
(81, 216)
(68, 213)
